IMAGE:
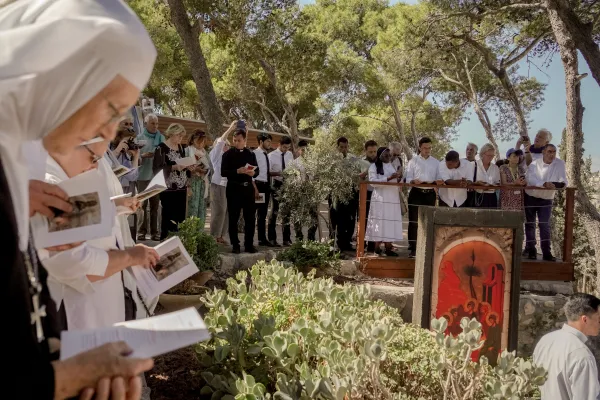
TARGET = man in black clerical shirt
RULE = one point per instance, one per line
(237, 168)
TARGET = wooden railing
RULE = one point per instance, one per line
(567, 248)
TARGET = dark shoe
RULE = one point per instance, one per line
(264, 243)
(532, 255)
(251, 250)
(391, 253)
(274, 243)
(287, 243)
(141, 237)
(549, 257)
(236, 250)
(412, 254)
(156, 238)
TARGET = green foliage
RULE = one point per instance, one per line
(284, 335)
(321, 173)
(201, 246)
(512, 379)
(311, 254)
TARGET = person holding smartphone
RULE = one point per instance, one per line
(534, 151)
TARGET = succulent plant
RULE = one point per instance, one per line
(280, 334)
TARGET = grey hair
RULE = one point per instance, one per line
(580, 304)
(150, 117)
(474, 145)
(485, 148)
(547, 132)
(395, 145)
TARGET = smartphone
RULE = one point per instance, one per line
(525, 139)
(241, 125)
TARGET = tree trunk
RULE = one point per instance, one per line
(408, 151)
(487, 125)
(507, 84)
(581, 33)
(574, 133)
(190, 36)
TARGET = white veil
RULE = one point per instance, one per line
(55, 55)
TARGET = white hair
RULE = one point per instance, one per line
(548, 134)
(149, 117)
(395, 146)
(485, 148)
(474, 145)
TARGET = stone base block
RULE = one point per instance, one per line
(397, 297)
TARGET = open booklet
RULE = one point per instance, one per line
(187, 161)
(122, 170)
(156, 185)
(92, 216)
(175, 265)
(149, 337)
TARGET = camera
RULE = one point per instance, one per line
(132, 144)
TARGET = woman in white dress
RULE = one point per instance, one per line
(385, 215)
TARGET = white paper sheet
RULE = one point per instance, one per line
(149, 337)
(121, 196)
(154, 281)
(89, 187)
(156, 185)
(187, 161)
(261, 199)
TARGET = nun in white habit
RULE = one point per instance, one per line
(384, 224)
(68, 70)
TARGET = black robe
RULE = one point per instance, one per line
(27, 371)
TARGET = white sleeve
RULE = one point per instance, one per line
(532, 176)
(217, 151)
(374, 176)
(443, 172)
(274, 162)
(584, 379)
(71, 267)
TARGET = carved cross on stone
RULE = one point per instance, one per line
(37, 315)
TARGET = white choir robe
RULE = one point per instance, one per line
(115, 189)
(384, 222)
(571, 366)
(87, 305)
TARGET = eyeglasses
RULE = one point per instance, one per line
(95, 157)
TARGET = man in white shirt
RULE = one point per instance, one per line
(262, 184)
(422, 168)
(548, 172)
(279, 160)
(219, 221)
(454, 171)
(571, 366)
(534, 151)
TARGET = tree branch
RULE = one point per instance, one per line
(508, 63)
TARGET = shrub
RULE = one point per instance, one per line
(201, 246)
(309, 254)
(281, 335)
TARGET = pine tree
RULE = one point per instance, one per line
(583, 253)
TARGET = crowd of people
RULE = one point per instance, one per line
(64, 112)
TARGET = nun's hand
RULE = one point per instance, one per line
(116, 388)
(44, 195)
(130, 202)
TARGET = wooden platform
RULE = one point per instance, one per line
(392, 267)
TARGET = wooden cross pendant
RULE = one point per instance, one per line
(37, 315)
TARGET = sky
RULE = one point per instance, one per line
(551, 115)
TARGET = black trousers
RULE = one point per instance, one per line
(240, 199)
(174, 206)
(417, 197)
(346, 222)
(332, 219)
(285, 220)
(262, 209)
